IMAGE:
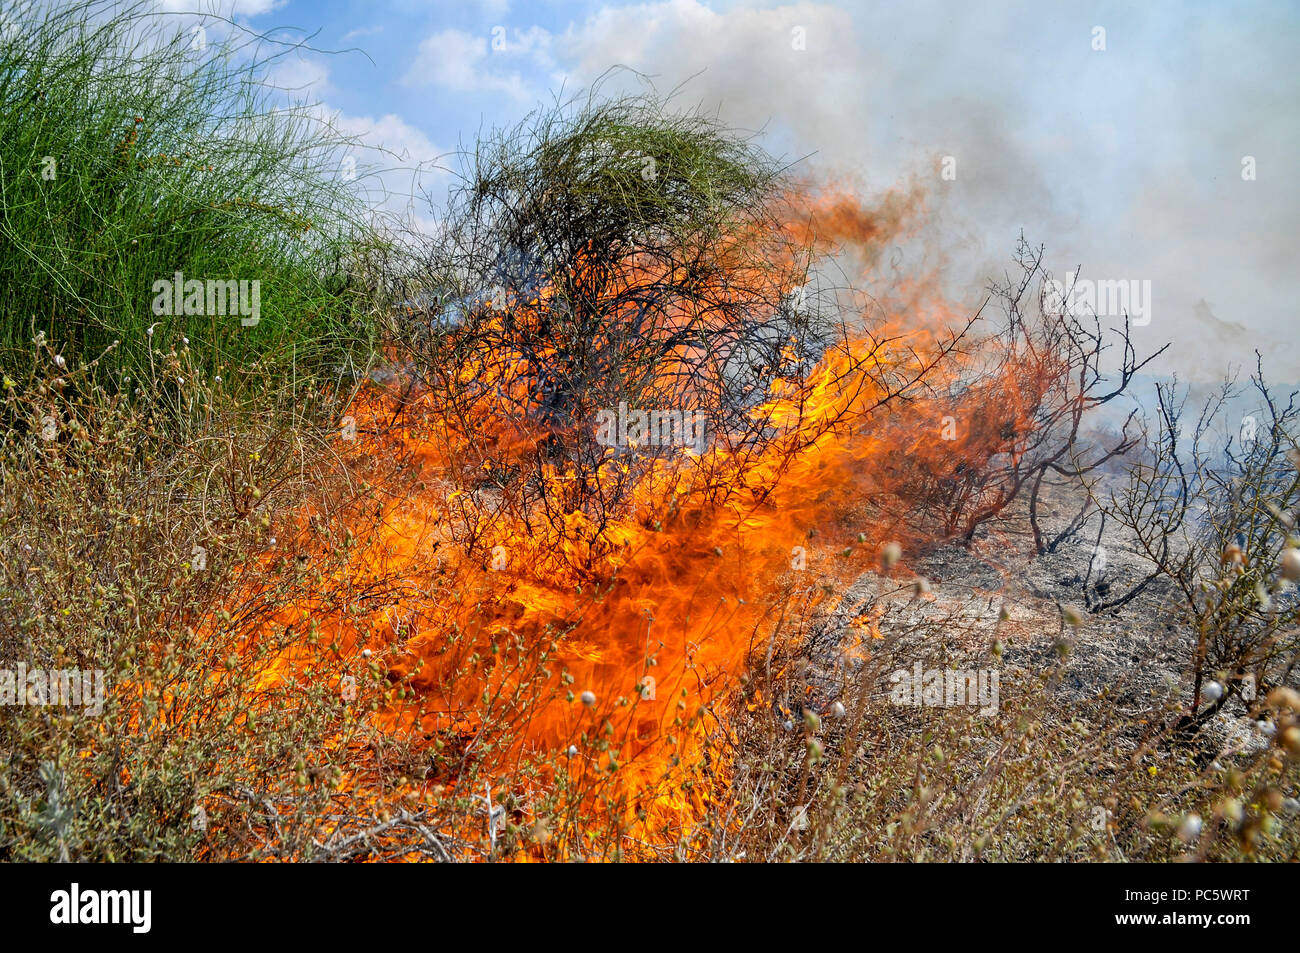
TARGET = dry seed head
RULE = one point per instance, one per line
(1291, 740)
(890, 554)
(1283, 697)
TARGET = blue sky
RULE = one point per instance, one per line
(1125, 159)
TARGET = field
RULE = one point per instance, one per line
(609, 520)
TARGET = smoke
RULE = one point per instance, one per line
(1126, 161)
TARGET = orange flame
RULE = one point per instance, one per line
(608, 641)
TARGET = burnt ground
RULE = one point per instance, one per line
(999, 590)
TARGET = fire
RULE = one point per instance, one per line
(572, 625)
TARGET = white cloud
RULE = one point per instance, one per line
(363, 31)
(468, 62)
(300, 77)
(402, 144)
(404, 162)
(392, 134)
(221, 8)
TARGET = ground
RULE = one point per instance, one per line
(997, 590)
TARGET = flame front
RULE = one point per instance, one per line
(579, 639)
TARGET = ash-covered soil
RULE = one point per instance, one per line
(998, 590)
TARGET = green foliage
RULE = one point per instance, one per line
(128, 154)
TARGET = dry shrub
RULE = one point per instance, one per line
(130, 518)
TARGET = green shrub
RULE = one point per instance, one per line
(128, 154)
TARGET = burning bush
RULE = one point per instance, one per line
(568, 613)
